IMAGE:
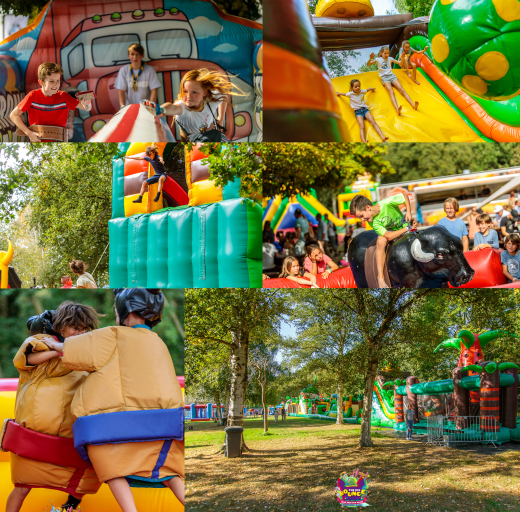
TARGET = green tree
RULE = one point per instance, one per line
(417, 7)
(325, 336)
(69, 188)
(413, 161)
(297, 167)
(339, 63)
(16, 306)
(230, 317)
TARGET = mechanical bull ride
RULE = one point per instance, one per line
(428, 259)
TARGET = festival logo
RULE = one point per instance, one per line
(351, 490)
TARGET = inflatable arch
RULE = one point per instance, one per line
(90, 41)
(209, 237)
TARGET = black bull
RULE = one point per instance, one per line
(425, 259)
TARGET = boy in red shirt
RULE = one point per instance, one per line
(47, 106)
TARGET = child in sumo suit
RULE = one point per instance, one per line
(129, 410)
(43, 406)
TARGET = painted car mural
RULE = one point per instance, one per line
(90, 42)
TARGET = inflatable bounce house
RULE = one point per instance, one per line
(312, 404)
(90, 40)
(469, 75)
(146, 499)
(206, 237)
(480, 402)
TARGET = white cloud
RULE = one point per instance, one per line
(225, 48)
(204, 27)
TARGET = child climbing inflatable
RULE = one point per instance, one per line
(157, 162)
(129, 410)
(40, 437)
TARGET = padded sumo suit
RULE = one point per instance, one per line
(129, 410)
(43, 404)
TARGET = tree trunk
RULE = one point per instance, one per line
(365, 439)
(218, 412)
(238, 381)
(339, 401)
(264, 405)
(226, 403)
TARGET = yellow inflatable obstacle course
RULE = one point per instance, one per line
(344, 9)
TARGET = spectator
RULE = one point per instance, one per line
(301, 226)
(66, 281)
(85, 279)
(517, 207)
(511, 201)
(472, 223)
(333, 237)
(268, 252)
(358, 229)
(283, 413)
(280, 241)
(316, 262)
(485, 237)
(322, 235)
(463, 196)
(455, 226)
(268, 230)
(507, 225)
(498, 211)
(510, 258)
(137, 81)
(485, 192)
(290, 242)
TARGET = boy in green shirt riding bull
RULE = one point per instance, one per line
(386, 219)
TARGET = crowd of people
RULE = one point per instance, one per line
(199, 108)
(308, 251)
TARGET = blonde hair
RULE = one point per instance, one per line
(405, 41)
(48, 68)
(287, 264)
(210, 81)
(453, 201)
(136, 47)
(383, 49)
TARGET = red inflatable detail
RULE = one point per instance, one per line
(175, 191)
(8, 384)
(487, 267)
(342, 278)
(42, 447)
(508, 285)
(136, 166)
(196, 153)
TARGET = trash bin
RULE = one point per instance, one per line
(233, 441)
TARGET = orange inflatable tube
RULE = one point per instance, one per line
(467, 105)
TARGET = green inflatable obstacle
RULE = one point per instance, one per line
(475, 43)
(209, 246)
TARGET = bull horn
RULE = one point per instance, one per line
(486, 337)
(467, 337)
(450, 342)
(418, 254)
(6, 257)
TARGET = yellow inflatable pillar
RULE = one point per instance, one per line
(344, 9)
(5, 259)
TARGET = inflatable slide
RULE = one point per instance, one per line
(469, 79)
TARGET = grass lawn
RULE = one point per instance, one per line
(296, 466)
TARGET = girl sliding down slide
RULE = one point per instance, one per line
(405, 54)
(43, 416)
(389, 80)
(356, 96)
(291, 270)
(199, 109)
